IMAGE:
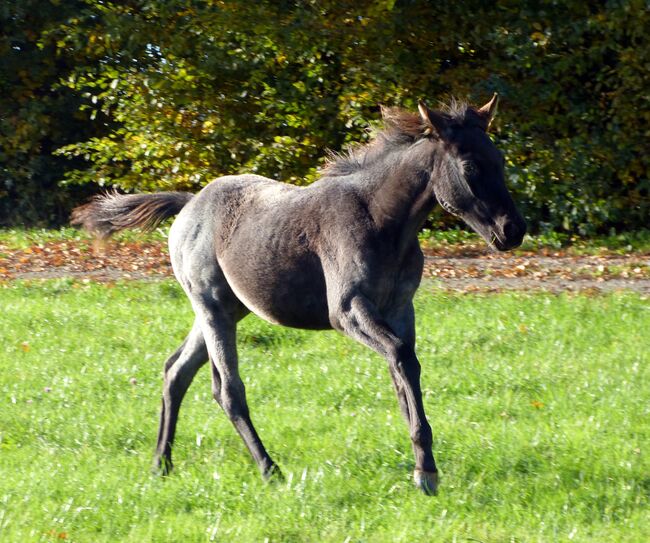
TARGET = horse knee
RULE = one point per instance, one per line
(406, 365)
(174, 357)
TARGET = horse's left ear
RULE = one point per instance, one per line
(437, 122)
(489, 110)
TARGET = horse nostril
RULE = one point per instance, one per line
(513, 230)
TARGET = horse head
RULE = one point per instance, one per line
(468, 178)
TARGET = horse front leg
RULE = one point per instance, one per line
(357, 317)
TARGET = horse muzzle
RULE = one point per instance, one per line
(509, 233)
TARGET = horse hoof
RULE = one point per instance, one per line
(426, 481)
(272, 474)
(162, 467)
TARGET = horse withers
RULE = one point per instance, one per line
(341, 253)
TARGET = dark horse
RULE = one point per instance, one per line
(342, 253)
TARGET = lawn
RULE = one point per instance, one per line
(539, 405)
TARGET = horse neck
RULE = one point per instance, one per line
(400, 194)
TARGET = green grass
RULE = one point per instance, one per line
(539, 406)
(21, 238)
(621, 243)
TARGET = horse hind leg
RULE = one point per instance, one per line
(219, 331)
(180, 369)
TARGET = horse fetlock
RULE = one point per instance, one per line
(426, 481)
(422, 436)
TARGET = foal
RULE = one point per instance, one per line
(341, 253)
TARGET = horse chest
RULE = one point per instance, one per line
(394, 292)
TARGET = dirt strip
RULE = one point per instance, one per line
(496, 272)
(462, 269)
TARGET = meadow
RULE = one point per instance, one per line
(539, 405)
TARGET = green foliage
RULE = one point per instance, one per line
(179, 92)
(35, 117)
(538, 438)
(577, 140)
(201, 89)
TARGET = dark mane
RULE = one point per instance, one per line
(400, 127)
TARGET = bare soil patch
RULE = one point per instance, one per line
(458, 268)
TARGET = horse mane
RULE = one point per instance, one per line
(400, 127)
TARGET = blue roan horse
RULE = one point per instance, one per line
(341, 253)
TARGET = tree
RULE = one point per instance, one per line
(179, 92)
(36, 116)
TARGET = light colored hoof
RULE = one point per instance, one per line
(426, 481)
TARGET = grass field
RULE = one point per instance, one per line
(540, 407)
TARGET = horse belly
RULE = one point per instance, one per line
(290, 295)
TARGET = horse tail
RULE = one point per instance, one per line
(108, 213)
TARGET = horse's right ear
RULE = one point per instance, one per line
(436, 122)
(489, 110)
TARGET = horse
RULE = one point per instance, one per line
(341, 253)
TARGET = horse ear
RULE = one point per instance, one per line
(436, 121)
(489, 110)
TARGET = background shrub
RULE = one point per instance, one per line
(158, 95)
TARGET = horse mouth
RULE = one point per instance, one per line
(502, 243)
(498, 237)
(499, 244)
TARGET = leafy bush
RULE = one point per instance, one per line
(180, 92)
(36, 117)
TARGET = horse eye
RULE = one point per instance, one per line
(470, 169)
